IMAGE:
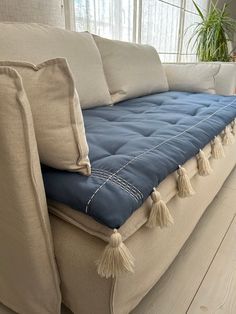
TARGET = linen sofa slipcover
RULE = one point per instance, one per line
(77, 239)
(29, 281)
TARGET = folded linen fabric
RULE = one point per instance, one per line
(57, 115)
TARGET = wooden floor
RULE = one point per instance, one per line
(202, 279)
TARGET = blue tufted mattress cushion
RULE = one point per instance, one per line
(134, 145)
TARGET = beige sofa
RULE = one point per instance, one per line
(48, 252)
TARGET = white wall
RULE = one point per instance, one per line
(33, 11)
(232, 6)
(232, 11)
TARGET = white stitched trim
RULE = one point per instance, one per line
(122, 186)
(127, 184)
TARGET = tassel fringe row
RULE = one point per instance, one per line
(159, 214)
(233, 125)
(204, 167)
(228, 137)
(116, 258)
(217, 149)
(184, 185)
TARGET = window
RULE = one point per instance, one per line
(162, 24)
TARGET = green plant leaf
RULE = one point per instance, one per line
(198, 9)
(211, 36)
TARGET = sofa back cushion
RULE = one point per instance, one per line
(208, 77)
(192, 77)
(131, 70)
(57, 114)
(36, 43)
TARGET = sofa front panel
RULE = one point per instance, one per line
(83, 290)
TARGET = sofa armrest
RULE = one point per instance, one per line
(225, 79)
(28, 275)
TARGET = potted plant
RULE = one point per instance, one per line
(213, 34)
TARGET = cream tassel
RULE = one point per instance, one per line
(228, 137)
(204, 167)
(159, 214)
(116, 258)
(217, 149)
(233, 125)
(184, 185)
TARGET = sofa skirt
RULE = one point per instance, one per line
(77, 251)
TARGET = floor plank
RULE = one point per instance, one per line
(175, 291)
(217, 294)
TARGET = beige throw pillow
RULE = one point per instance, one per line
(131, 70)
(57, 115)
(195, 77)
(36, 43)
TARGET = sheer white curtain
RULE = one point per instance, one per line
(160, 27)
(109, 18)
(160, 23)
(166, 25)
